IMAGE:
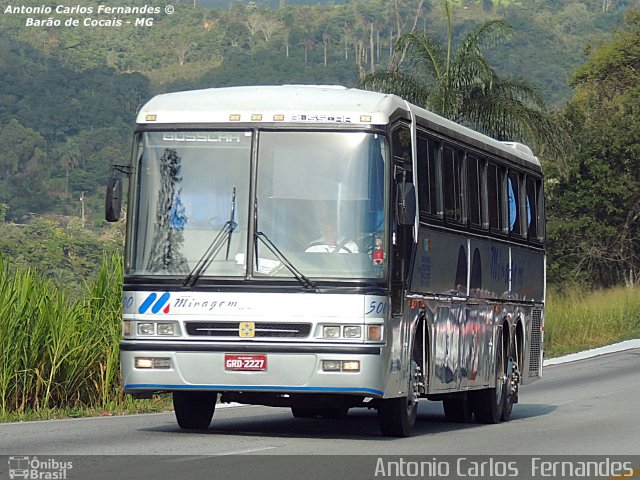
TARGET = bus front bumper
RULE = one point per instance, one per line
(156, 366)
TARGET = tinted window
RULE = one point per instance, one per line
(513, 190)
(452, 184)
(496, 196)
(534, 208)
(401, 145)
(475, 182)
(428, 151)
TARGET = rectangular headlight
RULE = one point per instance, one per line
(351, 365)
(166, 329)
(146, 329)
(331, 365)
(352, 331)
(162, 363)
(143, 362)
(332, 331)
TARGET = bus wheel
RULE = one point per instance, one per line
(397, 416)
(458, 409)
(488, 404)
(194, 409)
(511, 384)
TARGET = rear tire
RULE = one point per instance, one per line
(511, 383)
(488, 404)
(194, 410)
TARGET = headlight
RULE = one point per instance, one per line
(341, 366)
(161, 363)
(332, 331)
(351, 365)
(354, 331)
(166, 329)
(331, 365)
(146, 329)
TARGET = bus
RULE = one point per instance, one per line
(323, 248)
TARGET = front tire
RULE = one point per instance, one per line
(194, 410)
(397, 416)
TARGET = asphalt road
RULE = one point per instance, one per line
(586, 407)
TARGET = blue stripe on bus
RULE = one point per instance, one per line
(147, 303)
(266, 388)
(161, 302)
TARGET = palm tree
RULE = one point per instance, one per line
(461, 85)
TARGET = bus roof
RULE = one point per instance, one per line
(311, 104)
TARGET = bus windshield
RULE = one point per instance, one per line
(319, 205)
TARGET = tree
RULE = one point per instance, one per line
(594, 198)
(23, 169)
(459, 84)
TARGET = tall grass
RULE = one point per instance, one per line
(576, 320)
(57, 351)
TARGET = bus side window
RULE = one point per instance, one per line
(496, 197)
(475, 179)
(401, 146)
(452, 184)
(534, 208)
(428, 153)
(515, 203)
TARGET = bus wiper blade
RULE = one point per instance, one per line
(285, 261)
(211, 253)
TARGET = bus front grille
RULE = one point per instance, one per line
(259, 330)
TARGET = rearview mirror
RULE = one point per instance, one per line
(113, 203)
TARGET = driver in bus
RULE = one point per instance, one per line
(330, 241)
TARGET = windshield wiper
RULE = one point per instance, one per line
(285, 261)
(216, 245)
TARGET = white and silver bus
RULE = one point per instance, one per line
(324, 248)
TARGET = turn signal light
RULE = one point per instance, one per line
(374, 333)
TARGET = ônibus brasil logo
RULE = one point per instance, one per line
(156, 303)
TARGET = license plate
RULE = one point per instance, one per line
(245, 363)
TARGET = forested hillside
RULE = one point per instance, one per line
(70, 93)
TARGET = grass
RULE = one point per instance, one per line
(59, 354)
(56, 351)
(126, 406)
(577, 320)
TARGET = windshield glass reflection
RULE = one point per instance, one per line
(191, 184)
(320, 198)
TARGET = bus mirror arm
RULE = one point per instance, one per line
(406, 204)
